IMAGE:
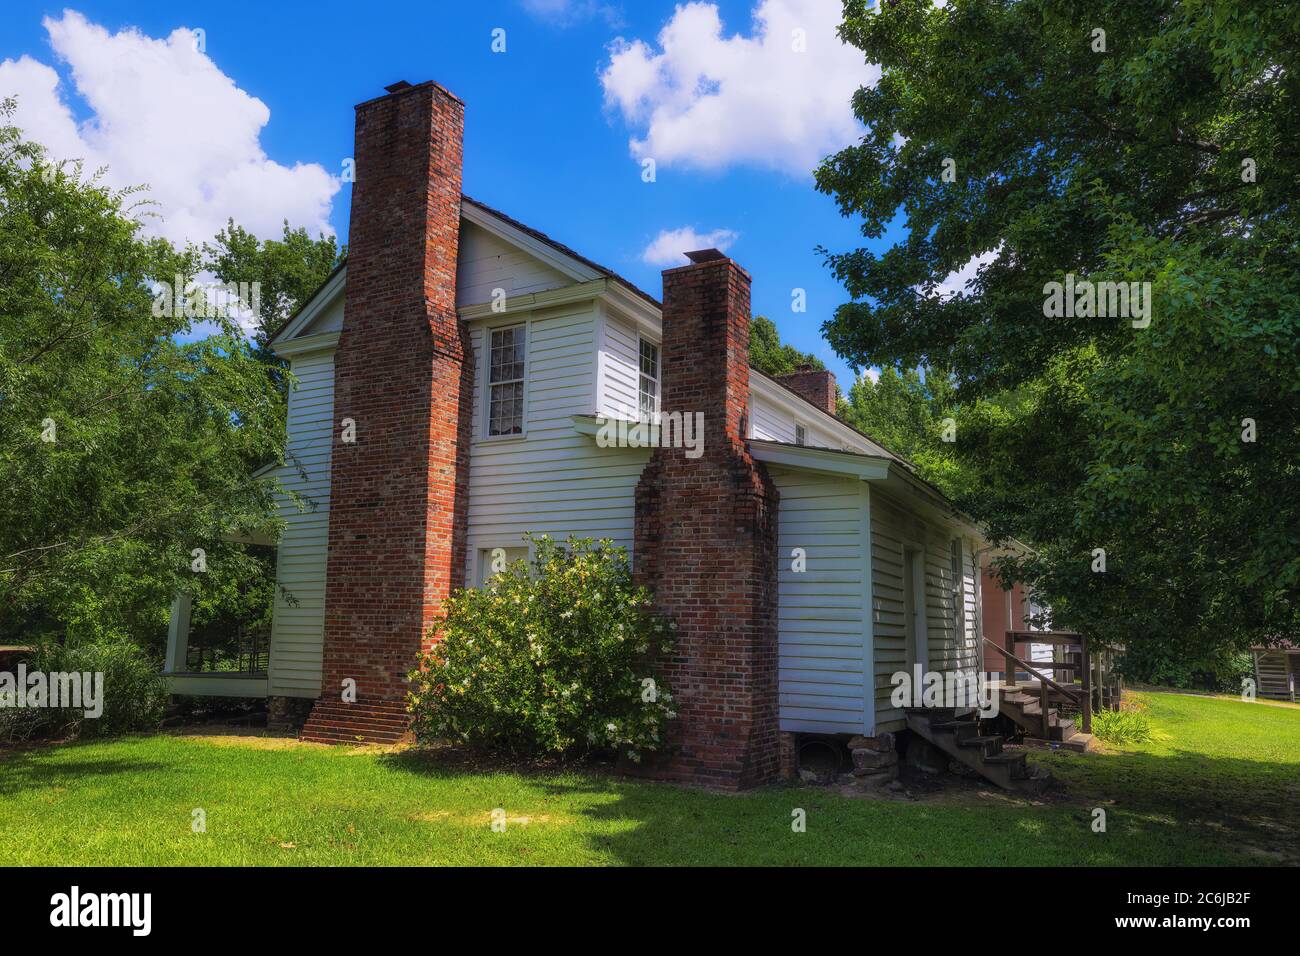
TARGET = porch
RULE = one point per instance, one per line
(225, 664)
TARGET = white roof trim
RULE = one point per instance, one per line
(825, 460)
(317, 304)
(307, 343)
(799, 408)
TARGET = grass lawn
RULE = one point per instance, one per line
(1221, 786)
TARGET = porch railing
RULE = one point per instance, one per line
(1080, 696)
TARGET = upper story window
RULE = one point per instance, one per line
(648, 383)
(506, 382)
(800, 435)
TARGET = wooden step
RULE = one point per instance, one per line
(988, 746)
(961, 729)
(983, 754)
(1015, 762)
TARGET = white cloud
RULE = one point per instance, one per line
(164, 115)
(669, 248)
(960, 280)
(707, 100)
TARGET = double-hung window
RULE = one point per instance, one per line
(648, 381)
(800, 435)
(506, 382)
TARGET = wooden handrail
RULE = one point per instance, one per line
(1028, 667)
(1066, 638)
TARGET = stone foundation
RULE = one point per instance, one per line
(287, 713)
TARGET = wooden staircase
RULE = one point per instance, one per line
(1024, 706)
(960, 739)
(365, 722)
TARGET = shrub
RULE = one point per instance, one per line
(1122, 726)
(1161, 666)
(554, 655)
(134, 693)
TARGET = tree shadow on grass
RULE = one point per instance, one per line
(633, 822)
(46, 766)
(1253, 802)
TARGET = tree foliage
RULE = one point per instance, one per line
(909, 412)
(1163, 153)
(770, 355)
(123, 448)
(287, 270)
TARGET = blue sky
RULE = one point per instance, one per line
(557, 126)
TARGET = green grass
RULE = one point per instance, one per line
(1228, 768)
(1219, 768)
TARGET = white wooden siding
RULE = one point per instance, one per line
(823, 631)
(298, 629)
(893, 528)
(552, 480)
(770, 423)
(486, 262)
(620, 358)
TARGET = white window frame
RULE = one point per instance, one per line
(800, 435)
(480, 577)
(488, 332)
(657, 378)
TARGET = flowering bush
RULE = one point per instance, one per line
(553, 655)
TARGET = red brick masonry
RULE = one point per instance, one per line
(706, 540)
(705, 527)
(403, 372)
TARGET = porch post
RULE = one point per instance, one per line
(178, 635)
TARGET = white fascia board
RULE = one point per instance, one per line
(824, 460)
(317, 304)
(321, 341)
(590, 425)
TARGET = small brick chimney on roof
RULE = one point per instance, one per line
(815, 385)
(706, 538)
(404, 376)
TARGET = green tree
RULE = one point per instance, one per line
(123, 449)
(910, 413)
(287, 271)
(1145, 141)
(770, 355)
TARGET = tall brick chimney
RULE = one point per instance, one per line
(403, 373)
(706, 538)
(815, 385)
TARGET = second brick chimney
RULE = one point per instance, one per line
(706, 538)
(815, 385)
(403, 375)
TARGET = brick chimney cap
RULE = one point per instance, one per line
(398, 86)
(705, 255)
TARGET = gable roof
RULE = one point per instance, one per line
(565, 250)
(576, 256)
